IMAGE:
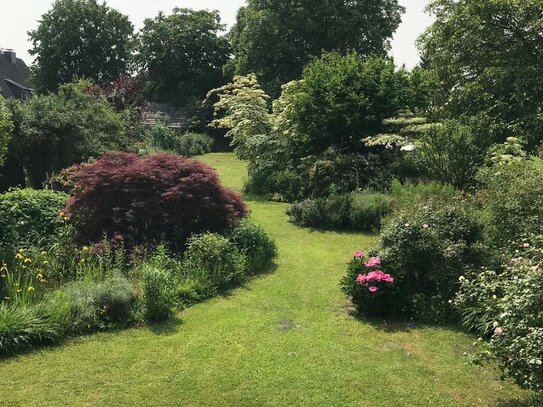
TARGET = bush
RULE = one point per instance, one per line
(22, 326)
(157, 287)
(368, 208)
(513, 201)
(216, 260)
(448, 153)
(191, 144)
(28, 218)
(332, 212)
(372, 291)
(97, 305)
(507, 306)
(427, 248)
(161, 138)
(158, 198)
(253, 241)
(406, 195)
(6, 126)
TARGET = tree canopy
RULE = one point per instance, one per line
(489, 57)
(5, 129)
(182, 54)
(80, 39)
(275, 39)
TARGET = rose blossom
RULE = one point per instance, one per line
(373, 262)
(373, 289)
(361, 278)
(359, 254)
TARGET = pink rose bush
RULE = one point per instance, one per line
(369, 287)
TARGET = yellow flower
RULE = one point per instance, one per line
(19, 256)
(44, 253)
(21, 250)
(82, 261)
(85, 249)
(27, 260)
(30, 289)
(45, 262)
(40, 276)
(19, 290)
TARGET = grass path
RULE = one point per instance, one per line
(285, 339)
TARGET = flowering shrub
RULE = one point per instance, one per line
(427, 248)
(506, 306)
(371, 289)
(161, 197)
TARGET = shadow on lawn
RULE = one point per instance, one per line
(166, 328)
(530, 401)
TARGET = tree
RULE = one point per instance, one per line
(275, 39)
(342, 99)
(80, 39)
(243, 109)
(488, 56)
(6, 126)
(182, 54)
(58, 130)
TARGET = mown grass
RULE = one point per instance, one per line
(285, 339)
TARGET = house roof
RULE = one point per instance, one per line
(14, 77)
(157, 112)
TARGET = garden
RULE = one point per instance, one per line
(368, 235)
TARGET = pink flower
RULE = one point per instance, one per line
(373, 262)
(361, 278)
(359, 254)
(387, 278)
(375, 276)
(373, 289)
(498, 331)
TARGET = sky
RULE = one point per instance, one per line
(24, 16)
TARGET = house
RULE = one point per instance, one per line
(14, 76)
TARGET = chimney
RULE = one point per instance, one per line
(11, 55)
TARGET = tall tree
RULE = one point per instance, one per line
(6, 126)
(489, 57)
(80, 39)
(183, 54)
(275, 38)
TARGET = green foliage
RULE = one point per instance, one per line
(488, 58)
(192, 144)
(22, 326)
(157, 287)
(58, 130)
(28, 218)
(6, 126)
(408, 194)
(427, 248)
(512, 197)
(276, 39)
(80, 39)
(368, 209)
(243, 109)
(213, 258)
(448, 153)
(507, 307)
(342, 99)
(182, 54)
(253, 241)
(161, 138)
(97, 305)
(332, 212)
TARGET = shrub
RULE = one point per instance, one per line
(513, 201)
(372, 291)
(213, 258)
(332, 212)
(507, 306)
(22, 326)
(58, 130)
(253, 241)
(448, 153)
(97, 305)
(368, 208)
(427, 248)
(149, 199)
(157, 287)
(191, 144)
(409, 194)
(27, 218)
(6, 126)
(161, 138)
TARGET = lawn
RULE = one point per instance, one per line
(285, 339)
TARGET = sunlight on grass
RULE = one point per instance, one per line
(285, 339)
